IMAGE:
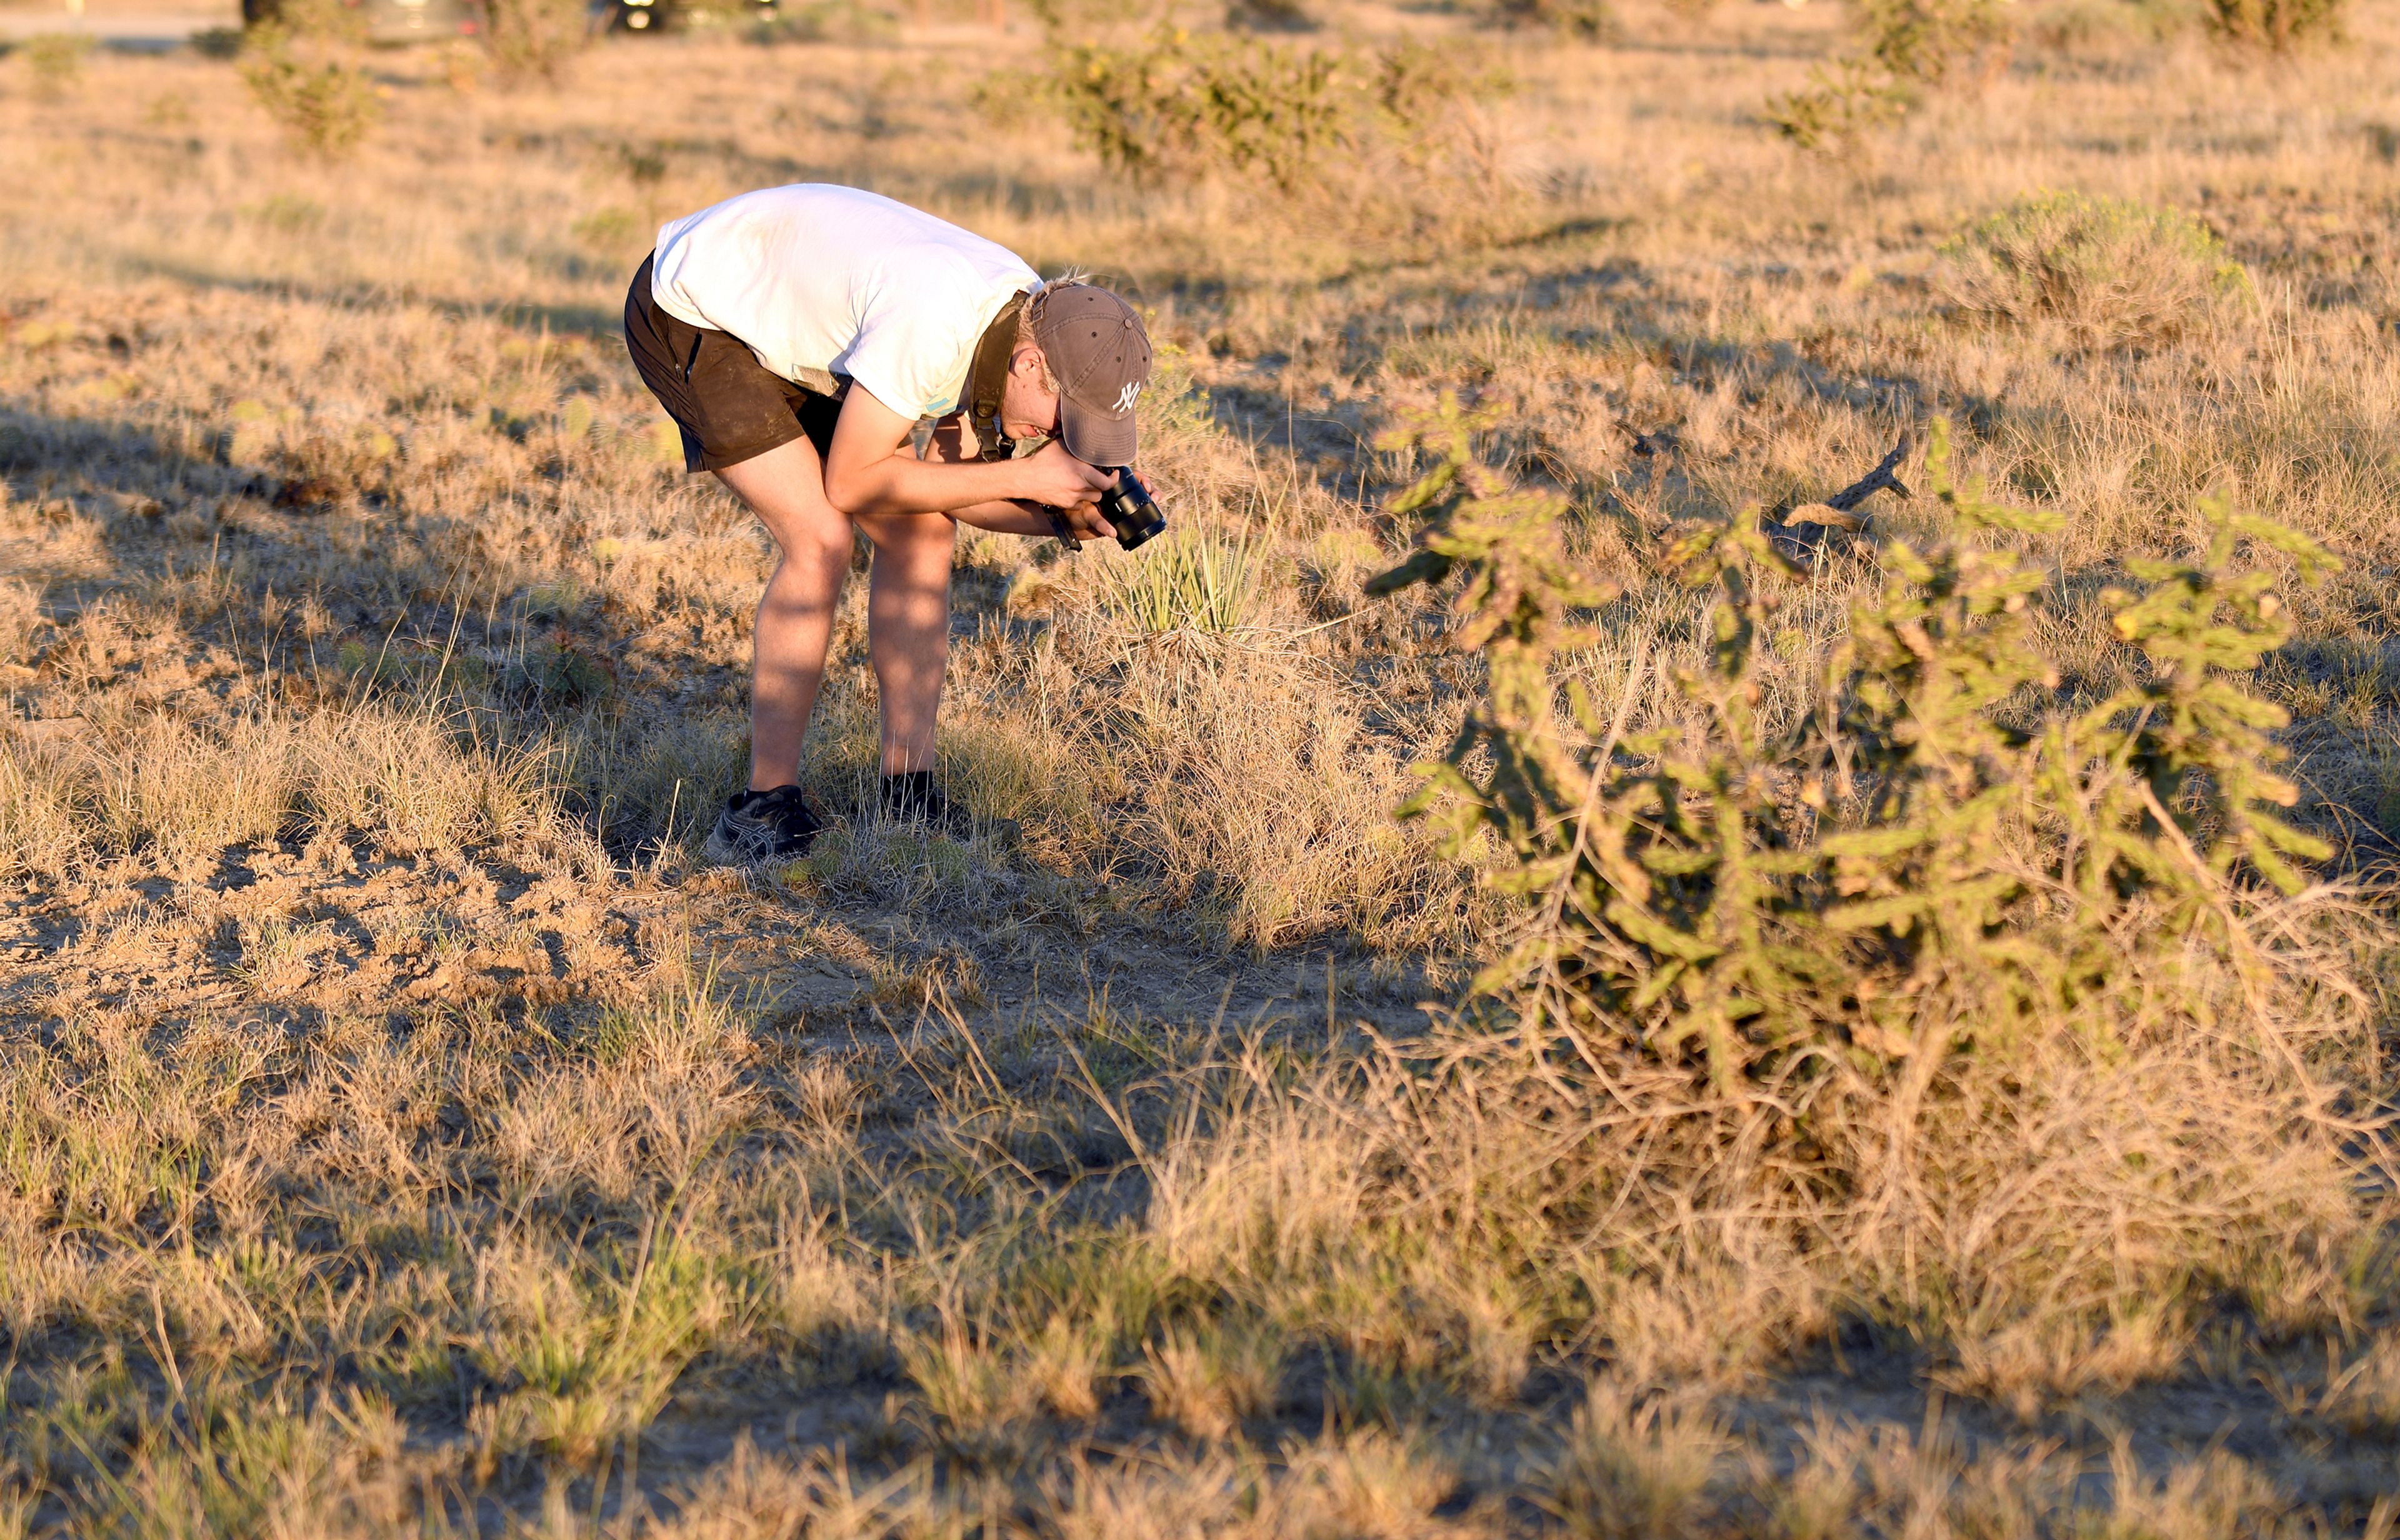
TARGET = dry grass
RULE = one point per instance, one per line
(399, 1132)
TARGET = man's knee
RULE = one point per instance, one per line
(912, 539)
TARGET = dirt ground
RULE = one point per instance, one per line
(402, 1129)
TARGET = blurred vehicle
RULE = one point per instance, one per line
(662, 16)
(389, 21)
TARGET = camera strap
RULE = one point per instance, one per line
(988, 380)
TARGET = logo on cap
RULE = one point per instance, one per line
(1125, 397)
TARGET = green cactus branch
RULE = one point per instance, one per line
(1902, 865)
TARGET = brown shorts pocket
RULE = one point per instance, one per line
(728, 406)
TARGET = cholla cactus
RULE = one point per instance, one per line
(1520, 587)
(1901, 862)
(2194, 749)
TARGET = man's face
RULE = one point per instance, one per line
(1027, 410)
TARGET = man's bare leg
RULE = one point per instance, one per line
(785, 488)
(908, 613)
(908, 629)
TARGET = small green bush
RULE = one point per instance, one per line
(1841, 101)
(1180, 105)
(535, 40)
(323, 106)
(55, 59)
(2276, 23)
(2114, 271)
(1932, 41)
(1906, 48)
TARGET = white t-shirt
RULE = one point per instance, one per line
(821, 280)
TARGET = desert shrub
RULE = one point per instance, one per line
(1841, 101)
(2275, 23)
(1930, 41)
(55, 59)
(533, 40)
(1179, 105)
(324, 106)
(1906, 49)
(2113, 271)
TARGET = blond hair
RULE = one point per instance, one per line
(1028, 313)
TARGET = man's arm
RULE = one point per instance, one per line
(1013, 518)
(868, 471)
(1008, 517)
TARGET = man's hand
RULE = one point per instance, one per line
(1087, 521)
(1059, 480)
(870, 470)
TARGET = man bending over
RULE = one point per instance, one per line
(843, 361)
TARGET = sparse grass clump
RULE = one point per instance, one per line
(399, 778)
(1631, 1470)
(21, 613)
(2110, 271)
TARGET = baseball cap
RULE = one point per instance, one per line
(1100, 354)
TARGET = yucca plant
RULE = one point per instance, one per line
(1190, 582)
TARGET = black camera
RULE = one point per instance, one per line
(1131, 511)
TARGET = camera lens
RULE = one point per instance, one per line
(1131, 511)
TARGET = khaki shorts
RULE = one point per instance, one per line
(728, 406)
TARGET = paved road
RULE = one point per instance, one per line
(130, 28)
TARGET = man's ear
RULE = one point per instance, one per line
(1026, 362)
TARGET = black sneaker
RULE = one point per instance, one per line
(759, 828)
(913, 799)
